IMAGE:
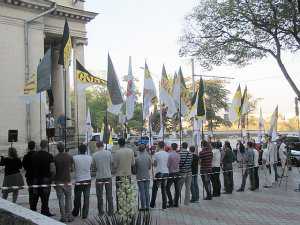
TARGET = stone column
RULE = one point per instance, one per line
(81, 98)
(57, 85)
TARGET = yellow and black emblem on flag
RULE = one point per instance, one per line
(66, 47)
(84, 76)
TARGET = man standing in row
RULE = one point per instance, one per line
(102, 160)
(161, 173)
(63, 164)
(173, 166)
(82, 166)
(123, 162)
(185, 171)
(44, 171)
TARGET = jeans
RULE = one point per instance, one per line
(215, 180)
(206, 183)
(159, 181)
(80, 189)
(186, 179)
(108, 192)
(173, 179)
(249, 171)
(275, 171)
(144, 193)
(64, 194)
(195, 188)
(256, 178)
(43, 193)
(228, 178)
(15, 194)
(30, 193)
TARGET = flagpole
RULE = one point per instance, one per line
(150, 130)
(41, 116)
(76, 98)
(65, 103)
(106, 127)
(180, 122)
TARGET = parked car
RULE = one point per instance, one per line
(143, 140)
(294, 149)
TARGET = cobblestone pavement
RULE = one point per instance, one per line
(275, 206)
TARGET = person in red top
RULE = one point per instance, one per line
(205, 157)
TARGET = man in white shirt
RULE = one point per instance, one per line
(269, 160)
(82, 167)
(161, 173)
(102, 161)
(283, 156)
(256, 168)
(216, 163)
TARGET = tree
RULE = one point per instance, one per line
(216, 101)
(238, 31)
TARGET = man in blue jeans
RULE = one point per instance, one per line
(161, 173)
(194, 184)
(143, 165)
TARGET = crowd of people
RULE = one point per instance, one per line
(175, 167)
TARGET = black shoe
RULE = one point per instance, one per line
(74, 214)
(216, 195)
(208, 198)
(170, 206)
(152, 206)
(176, 206)
(240, 190)
(48, 214)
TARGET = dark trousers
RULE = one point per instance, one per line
(215, 180)
(82, 189)
(275, 171)
(249, 171)
(43, 193)
(159, 181)
(29, 182)
(256, 178)
(173, 179)
(206, 183)
(118, 184)
(195, 188)
(228, 179)
(100, 184)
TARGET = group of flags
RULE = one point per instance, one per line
(240, 107)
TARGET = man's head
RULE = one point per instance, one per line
(174, 146)
(121, 142)
(31, 145)
(44, 144)
(161, 145)
(192, 149)
(142, 148)
(60, 147)
(184, 145)
(99, 145)
(249, 144)
(82, 149)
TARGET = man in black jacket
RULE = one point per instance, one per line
(27, 164)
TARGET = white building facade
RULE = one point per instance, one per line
(27, 29)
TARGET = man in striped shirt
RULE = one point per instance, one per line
(185, 171)
(206, 157)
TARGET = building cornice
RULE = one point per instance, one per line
(61, 11)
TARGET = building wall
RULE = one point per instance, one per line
(12, 64)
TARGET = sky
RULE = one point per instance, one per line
(150, 30)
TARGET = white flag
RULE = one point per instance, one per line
(88, 127)
(235, 107)
(260, 127)
(130, 93)
(245, 102)
(165, 94)
(149, 94)
(273, 124)
(197, 127)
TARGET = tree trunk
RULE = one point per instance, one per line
(287, 76)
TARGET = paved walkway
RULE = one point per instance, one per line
(275, 206)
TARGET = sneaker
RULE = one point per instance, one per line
(240, 190)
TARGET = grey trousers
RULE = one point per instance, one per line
(107, 183)
(186, 179)
(64, 194)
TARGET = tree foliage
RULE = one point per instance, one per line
(238, 31)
